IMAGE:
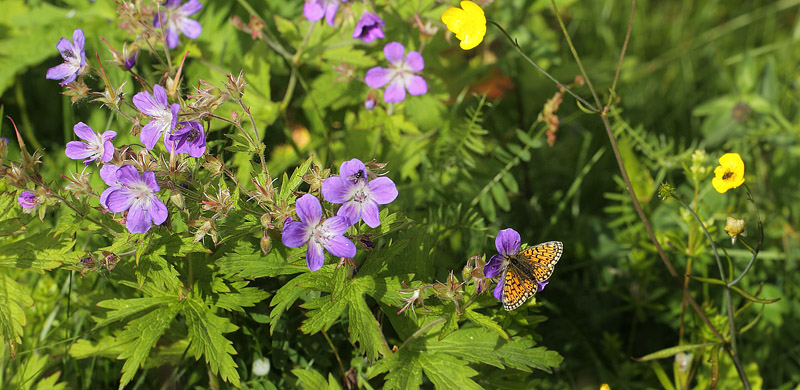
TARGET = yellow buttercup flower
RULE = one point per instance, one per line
(467, 22)
(729, 174)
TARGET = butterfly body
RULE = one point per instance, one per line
(525, 270)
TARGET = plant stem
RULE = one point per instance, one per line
(423, 330)
(336, 354)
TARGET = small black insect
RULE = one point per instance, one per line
(727, 175)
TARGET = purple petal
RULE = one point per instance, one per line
(378, 77)
(336, 190)
(309, 210)
(69, 79)
(493, 267)
(498, 290)
(138, 220)
(336, 225)
(174, 109)
(147, 104)
(104, 196)
(109, 174)
(77, 150)
(149, 178)
(382, 190)
(340, 246)
(191, 28)
(295, 234)
(313, 11)
(414, 61)
(64, 46)
(84, 132)
(540, 285)
(58, 72)
(395, 92)
(369, 213)
(394, 52)
(108, 152)
(191, 7)
(158, 211)
(351, 211)
(119, 200)
(78, 39)
(507, 242)
(151, 132)
(128, 175)
(108, 135)
(417, 85)
(172, 38)
(352, 167)
(330, 12)
(160, 95)
(315, 258)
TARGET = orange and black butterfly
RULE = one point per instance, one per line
(523, 272)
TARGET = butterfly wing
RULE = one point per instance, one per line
(540, 260)
(517, 287)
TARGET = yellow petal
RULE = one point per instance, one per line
(454, 19)
(468, 24)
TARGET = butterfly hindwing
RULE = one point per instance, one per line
(517, 287)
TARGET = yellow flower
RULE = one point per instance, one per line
(469, 24)
(729, 174)
(605, 386)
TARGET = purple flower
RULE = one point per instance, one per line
(507, 243)
(129, 55)
(74, 59)
(188, 138)
(137, 195)
(369, 27)
(318, 234)
(96, 145)
(108, 173)
(400, 76)
(27, 200)
(360, 198)
(314, 10)
(176, 17)
(164, 117)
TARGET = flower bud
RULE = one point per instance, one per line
(735, 227)
(266, 244)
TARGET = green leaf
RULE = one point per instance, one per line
(448, 372)
(450, 326)
(290, 184)
(310, 379)
(206, 337)
(404, 370)
(12, 317)
(139, 337)
(240, 298)
(249, 263)
(122, 308)
(38, 252)
(670, 352)
(365, 329)
(486, 323)
(750, 297)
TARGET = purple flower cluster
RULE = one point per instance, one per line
(174, 17)
(359, 197)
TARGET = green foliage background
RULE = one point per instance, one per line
(720, 75)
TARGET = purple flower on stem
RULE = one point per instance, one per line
(96, 145)
(318, 234)
(27, 200)
(188, 138)
(360, 197)
(163, 116)
(176, 17)
(400, 76)
(369, 27)
(129, 55)
(136, 193)
(507, 243)
(74, 59)
(108, 173)
(314, 10)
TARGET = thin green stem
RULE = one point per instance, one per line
(577, 57)
(421, 331)
(336, 354)
(758, 244)
(540, 69)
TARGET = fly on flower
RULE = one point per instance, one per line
(524, 273)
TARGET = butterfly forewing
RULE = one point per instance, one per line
(540, 260)
(517, 287)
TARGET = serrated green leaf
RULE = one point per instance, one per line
(290, 184)
(448, 372)
(404, 370)
(486, 323)
(310, 379)
(139, 337)
(38, 252)
(251, 264)
(240, 298)
(122, 308)
(365, 329)
(12, 318)
(450, 326)
(206, 337)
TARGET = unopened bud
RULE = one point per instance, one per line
(177, 199)
(266, 244)
(735, 227)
